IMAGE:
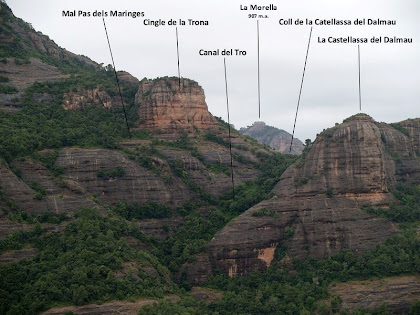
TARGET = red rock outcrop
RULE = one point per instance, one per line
(89, 97)
(78, 99)
(317, 205)
(169, 107)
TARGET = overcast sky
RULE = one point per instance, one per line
(390, 73)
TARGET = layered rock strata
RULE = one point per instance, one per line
(59, 197)
(76, 100)
(136, 185)
(317, 205)
(169, 107)
(398, 293)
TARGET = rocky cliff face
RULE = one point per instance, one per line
(166, 106)
(82, 97)
(136, 185)
(25, 38)
(29, 56)
(317, 205)
(275, 138)
(398, 293)
(89, 97)
(27, 186)
(126, 78)
(413, 128)
(402, 141)
(315, 210)
(81, 184)
(21, 192)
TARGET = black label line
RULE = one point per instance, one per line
(116, 77)
(360, 90)
(177, 54)
(230, 140)
(258, 61)
(300, 90)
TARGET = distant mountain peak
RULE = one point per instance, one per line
(277, 139)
